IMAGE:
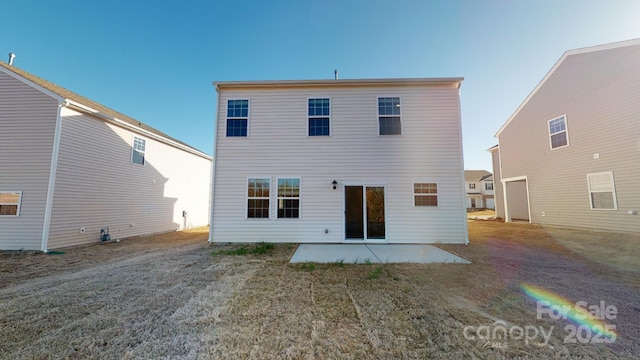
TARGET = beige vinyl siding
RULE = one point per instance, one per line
(97, 186)
(497, 184)
(598, 91)
(428, 150)
(27, 127)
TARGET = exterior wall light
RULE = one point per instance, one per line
(335, 184)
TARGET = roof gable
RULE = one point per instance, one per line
(62, 94)
(603, 47)
(476, 175)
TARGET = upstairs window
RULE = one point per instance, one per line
(237, 118)
(258, 198)
(389, 116)
(488, 186)
(425, 194)
(319, 117)
(288, 198)
(472, 186)
(10, 203)
(138, 150)
(602, 192)
(558, 132)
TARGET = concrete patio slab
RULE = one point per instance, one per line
(361, 253)
(328, 253)
(414, 253)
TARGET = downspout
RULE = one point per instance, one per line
(213, 169)
(464, 197)
(52, 179)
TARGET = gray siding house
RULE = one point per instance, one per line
(70, 167)
(339, 161)
(570, 154)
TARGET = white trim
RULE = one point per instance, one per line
(453, 81)
(365, 240)
(613, 191)
(299, 198)
(609, 46)
(18, 203)
(53, 168)
(378, 114)
(507, 216)
(515, 178)
(133, 149)
(504, 196)
(213, 171)
(463, 197)
(246, 197)
(309, 117)
(566, 131)
(413, 194)
(227, 118)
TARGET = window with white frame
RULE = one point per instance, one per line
(237, 118)
(425, 194)
(389, 116)
(472, 186)
(10, 203)
(138, 150)
(258, 191)
(602, 192)
(558, 132)
(288, 198)
(319, 120)
(488, 186)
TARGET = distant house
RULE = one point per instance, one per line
(70, 167)
(479, 187)
(333, 161)
(570, 153)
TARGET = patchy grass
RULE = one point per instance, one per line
(375, 273)
(253, 249)
(307, 266)
(167, 297)
(472, 213)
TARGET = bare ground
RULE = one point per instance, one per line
(165, 296)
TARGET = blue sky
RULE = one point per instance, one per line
(155, 60)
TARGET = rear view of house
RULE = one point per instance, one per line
(71, 167)
(332, 161)
(569, 155)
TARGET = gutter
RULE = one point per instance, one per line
(87, 110)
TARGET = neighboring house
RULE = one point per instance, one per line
(70, 167)
(570, 153)
(375, 160)
(479, 188)
(497, 187)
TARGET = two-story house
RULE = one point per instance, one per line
(315, 161)
(570, 153)
(479, 188)
(71, 167)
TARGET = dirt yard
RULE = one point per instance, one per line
(166, 296)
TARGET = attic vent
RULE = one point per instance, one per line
(11, 57)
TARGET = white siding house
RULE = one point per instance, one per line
(332, 161)
(70, 167)
(570, 154)
(479, 188)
